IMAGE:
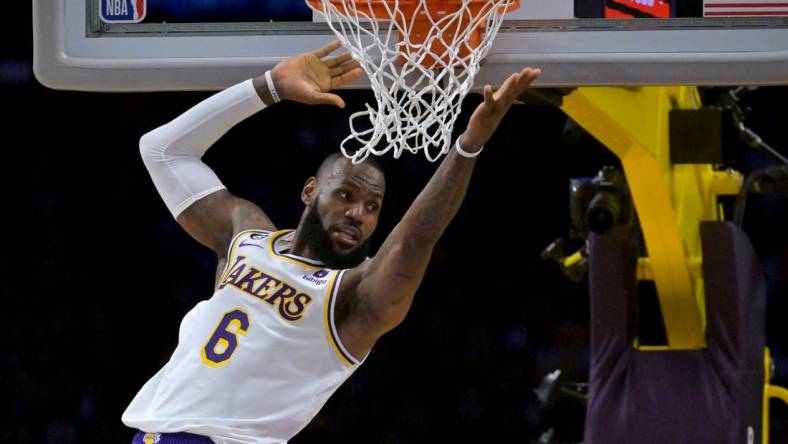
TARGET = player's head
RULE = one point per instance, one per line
(343, 203)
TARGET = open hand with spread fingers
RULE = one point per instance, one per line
(488, 115)
(308, 77)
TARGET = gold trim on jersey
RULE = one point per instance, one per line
(286, 258)
(328, 317)
(231, 252)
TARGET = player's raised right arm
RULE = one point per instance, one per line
(193, 193)
(172, 153)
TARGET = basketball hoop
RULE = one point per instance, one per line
(421, 58)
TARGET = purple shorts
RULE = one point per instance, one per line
(170, 438)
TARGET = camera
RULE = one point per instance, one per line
(597, 203)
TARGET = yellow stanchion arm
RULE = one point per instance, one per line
(671, 200)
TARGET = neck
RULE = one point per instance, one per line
(299, 246)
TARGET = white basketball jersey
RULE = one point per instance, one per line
(257, 361)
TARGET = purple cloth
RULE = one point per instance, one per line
(674, 397)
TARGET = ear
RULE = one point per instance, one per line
(309, 192)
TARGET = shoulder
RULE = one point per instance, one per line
(353, 316)
(253, 233)
(351, 279)
(217, 218)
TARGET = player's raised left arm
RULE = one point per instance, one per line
(382, 288)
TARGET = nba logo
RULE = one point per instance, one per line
(122, 11)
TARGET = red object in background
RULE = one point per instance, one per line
(660, 9)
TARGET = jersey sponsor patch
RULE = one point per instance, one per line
(123, 11)
(318, 277)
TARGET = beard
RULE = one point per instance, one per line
(319, 242)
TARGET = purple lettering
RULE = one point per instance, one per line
(237, 269)
(265, 286)
(286, 292)
(293, 310)
(247, 282)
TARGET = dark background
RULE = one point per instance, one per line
(96, 275)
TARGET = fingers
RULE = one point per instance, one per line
(353, 74)
(345, 78)
(527, 76)
(505, 92)
(338, 60)
(515, 85)
(342, 69)
(330, 99)
(488, 95)
(328, 49)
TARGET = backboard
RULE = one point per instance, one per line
(155, 45)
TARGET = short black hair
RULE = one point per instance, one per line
(332, 158)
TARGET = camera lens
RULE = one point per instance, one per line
(603, 211)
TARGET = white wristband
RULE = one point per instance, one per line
(271, 89)
(464, 153)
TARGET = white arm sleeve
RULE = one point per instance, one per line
(172, 153)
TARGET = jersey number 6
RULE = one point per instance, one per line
(224, 340)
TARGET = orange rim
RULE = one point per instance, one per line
(377, 8)
(422, 25)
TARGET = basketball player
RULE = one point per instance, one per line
(294, 312)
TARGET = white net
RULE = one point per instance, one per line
(421, 58)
